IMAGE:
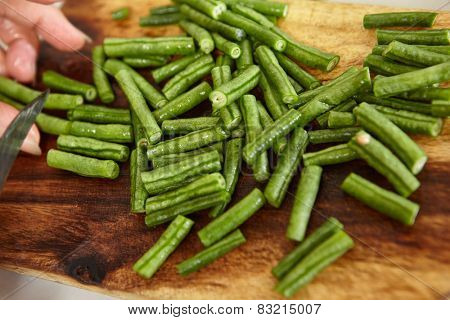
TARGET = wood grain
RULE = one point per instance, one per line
(79, 231)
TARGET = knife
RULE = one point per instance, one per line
(12, 139)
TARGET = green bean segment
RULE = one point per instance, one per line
(99, 76)
(184, 126)
(286, 168)
(380, 199)
(427, 94)
(385, 66)
(378, 50)
(385, 162)
(271, 8)
(83, 166)
(121, 13)
(440, 108)
(280, 144)
(208, 255)
(99, 114)
(396, 103)
(164, 9)
(232, 218)
(251, 14)
(305, 197)
(153, 259)
(212, 8)
(273, 101)
(138, 164)
(202, 36)
(338, 119)
(119, 133)
(346, 106)
(160, 19)
(150, 61)
(399, 19)
(413, 55)
(323, 232)
(295, 71)
(423, 37)
(171, 69)
(332, 135)
(329, 156)
(146, 46)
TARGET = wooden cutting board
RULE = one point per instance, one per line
(79, 231)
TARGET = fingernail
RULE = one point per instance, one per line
(86, 37)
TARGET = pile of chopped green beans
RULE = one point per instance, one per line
(182, 164)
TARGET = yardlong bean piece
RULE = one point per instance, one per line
(305, 196)
(338, 119)
(385, 66)
(346, 106)
(150, 93)
(191, 141)
(142, 47)
(440, 108)
(229, 48)
(439, 49)
(253, 129)
(186, 78)
(286, 168)
(150, 61)
(295, 71)
(224, 60)
(184, 126)
(171, 69)
(232, 90)
(212, 8)
(208, 255)
(152, 260)
(385, 162)
(121, 13)
(138, 129)
(21, 93)
(280, 144)
(297, 87)
(395, 103)
(332, 155)
(399, 19)
(323, 232)
(119, 133)
(153, 132)
(99, 76)
(183, 102)
(273, 101)
(167, 159)
(380, 199)
(83, 166)
(202, 36)
(93, 148)
(317, 260)
(231, 169)
(389, 86)
(177, 174)
(232, 218)
(278, 129)
(99, 114)
(413, 55)
(206, 22)
(399, 142)
(255, 30)
(160, 19)
(332, 135)
(138, 164)
(427, 94)
(275, 74)
(164, 9)
(252, 14)
(424, 37)
(271, 8)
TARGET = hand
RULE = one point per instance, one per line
(21, 24)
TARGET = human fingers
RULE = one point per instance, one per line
(2, 63)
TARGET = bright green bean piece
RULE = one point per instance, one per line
(413, 55)
(399, 19)
(427, 94)
(338, 119)
(119, 133)
(138, 164)
(390, 86)
(385, 162)
(265, 139)
(229, 48)
(280, 144)
(93, 148)
(174, 67)
(150, 93)
(323, 232)
(286, 168)
(231, 169)
(224, 60)
(275, 74)
(229, 32)
(184, 126)
(251, 14)
(253, 128)
(209, 255)
(332, 135)
(153, 132)
(164, 9)
(202, 186)
(99, 114)
(271, 8)
(83, 166)
(332, 155)
(183, 103)
(440, 108)
(99, 76)
(202, 36)
(273, 101)
(297, 87)
(146, 46)
(439, 49)
(212, 8)
(187, 207)
(191, 141)
(380, 199)
(189, 76)
(396, 103)
(121, 13)
(262, 34)
(295, 71)
(239, 131)
(177, 174)
(232, 90)
(138, 129)
(313, 263)
(398, 141)
(160, 19)
(232, 218)
(346, 106)
(150, 61)
(305, 196)
(385, 66)
(424, 37)
(153, 259)
(21, 93)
